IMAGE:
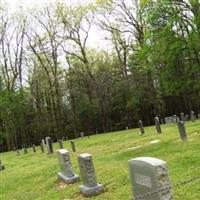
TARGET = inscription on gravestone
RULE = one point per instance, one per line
(140, 124)
(157, 123)
(149, 175)
(182, 132)
(66, 175)
(90, 186)
(49, 145)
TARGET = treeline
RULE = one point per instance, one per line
(53, 84)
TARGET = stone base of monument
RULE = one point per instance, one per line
(91, 191)
(68, 180)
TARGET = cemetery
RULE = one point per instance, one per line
(111, 166)
(99, 100)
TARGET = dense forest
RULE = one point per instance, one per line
(53, 84)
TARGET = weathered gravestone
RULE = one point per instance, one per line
(182, 117)
(25, 150)
(168, 120)
(192, 116)
(43, 142)
(42, 147)
(66, 175)
(60, 142)
(2, 167)
(17, 152)
(34, 148)
(140, 124)
(157, 124)
(49, 145)
(73, 145)
(182, 132)
(82, 134)
(90, 186)
(149, 178)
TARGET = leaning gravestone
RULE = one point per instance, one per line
(140, 124)
(182, 132)
(157, 123)
(2, 167)
(192, 116)
(66, 175)
(73, 145)
(149, 178)
(90, 186)
(49, 145)
(60, 144)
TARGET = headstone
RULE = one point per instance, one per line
(140, 124)
(175, 119)
(73, 145)
(149, 176)
(182, 132)
(126, 127)
(82, 134)
(49, 145)
(168, 120)
(182, 116)
(157, 123)
(60, 144)
(2, 167)
(90, 186)
(198, 116)
(192, 116)
(66, 175)
(17, 152)
(43, 142)
(42, 147)
(34, 148)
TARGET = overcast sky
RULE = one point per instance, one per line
(96, 37)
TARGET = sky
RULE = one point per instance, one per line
(96, 37)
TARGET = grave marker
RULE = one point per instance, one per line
(182, 116)
(82, 134)
(182, 132)
(90, 186)
(157, 123)
(73, 145)
(140, 124)
(192, 116)
(66, 175)
(49, 145)
(149, 175)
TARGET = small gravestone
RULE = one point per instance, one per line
(49, 145)
(140, 124)
(90, 186)
(157, 124)
(34, 148)
(182, 117)
(73, 145)
(175, 119)
(82, 134)
(66, 175)
(60, 142)
(149, 178)
(126, 127)
(17, 152)
(182, 132)
(42, 147)
(2, 167)
(43, 142)
(192, 116)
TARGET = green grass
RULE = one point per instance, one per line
(34, 176)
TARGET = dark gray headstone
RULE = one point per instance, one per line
(140, 124)
(49, 145)
(2, 167)
(66, 175)
(34, 148)
(60, 142)
(168, 120)
(192, 116)
(90, 186)
(42, 147)
(182, 132)
(148, 175)
(157, 124)
(73, 145)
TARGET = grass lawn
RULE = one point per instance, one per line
(34, 176)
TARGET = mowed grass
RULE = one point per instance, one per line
(34, 176)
